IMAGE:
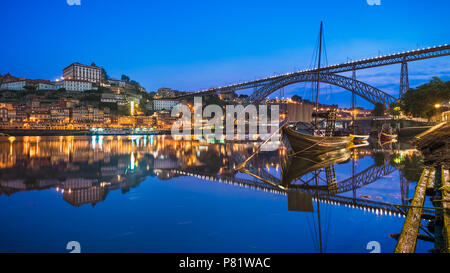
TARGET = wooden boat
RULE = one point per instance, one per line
(361, 144)
(314, 143)
(359, 138)
(298, 166)
(310, 144)
(385, 137)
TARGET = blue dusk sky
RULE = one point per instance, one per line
(192, 45)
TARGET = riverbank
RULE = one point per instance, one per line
(435, 145)
(28, 132)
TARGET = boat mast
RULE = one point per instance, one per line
(316, 175)
(318, 73)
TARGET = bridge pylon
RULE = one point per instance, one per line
(353, 101)
(404, 80)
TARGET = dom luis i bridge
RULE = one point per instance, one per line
(330, 75)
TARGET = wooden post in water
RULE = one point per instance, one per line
(446, 205)
(408, 238)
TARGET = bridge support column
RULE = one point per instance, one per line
(353, 102)
(404, 80)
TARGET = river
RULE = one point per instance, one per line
(155, 194)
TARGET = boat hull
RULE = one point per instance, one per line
(297, 166)
(309, 144)
(386, 137)
(359, 138)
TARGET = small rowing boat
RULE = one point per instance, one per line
(359, 138)
(385, 137)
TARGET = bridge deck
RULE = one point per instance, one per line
(375, 207)
(408, 56)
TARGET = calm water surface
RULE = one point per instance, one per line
(154, 194)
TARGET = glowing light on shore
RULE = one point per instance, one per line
(132, 108)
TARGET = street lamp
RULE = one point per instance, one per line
(437, 106)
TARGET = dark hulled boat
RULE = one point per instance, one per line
(297, 166)
(359, 138)
(316, 142)
(385, 134)
(385, 137)
(310, 144)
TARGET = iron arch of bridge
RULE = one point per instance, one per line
(364, 90)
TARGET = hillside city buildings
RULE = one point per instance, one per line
(76, 71)
(85, 97)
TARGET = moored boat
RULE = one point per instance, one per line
(385, 137)
(317, 140)
(359, 138)
(294, 167)
(304, 143)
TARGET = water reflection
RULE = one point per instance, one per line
(309, 181)
(85, 170)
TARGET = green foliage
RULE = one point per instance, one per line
(396, 109)
(411, 167)
(213, 99)
(102, 89)
(420, 102)
(379, 158)
(112, 106)
(296, 98)
(53, 95)
(104, 76)
(125, 78)
(90, 97)
(379, 110)
(135, 83)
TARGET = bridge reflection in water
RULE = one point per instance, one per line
(85, 170)
(122, 162)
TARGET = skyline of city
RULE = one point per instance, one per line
(185, 53)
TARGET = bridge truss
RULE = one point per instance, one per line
(266, 86)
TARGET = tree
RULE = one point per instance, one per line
(421, 101)
(135, 83)
(379, 110)
(296, 98)
(104, 76)
(396, 109)
(125, 78)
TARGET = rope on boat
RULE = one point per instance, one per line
(299, 152)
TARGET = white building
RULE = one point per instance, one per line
(113, 98)
(77, 71)
(116, 82)
(19, 85)
(164, 104)
(74, 85)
